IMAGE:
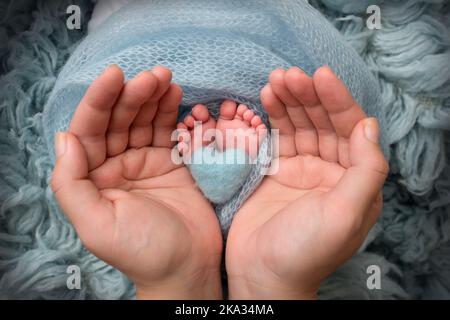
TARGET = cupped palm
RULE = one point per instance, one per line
(313, 213)
(130, 203)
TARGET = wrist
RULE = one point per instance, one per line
(245, 288)
(204, 286)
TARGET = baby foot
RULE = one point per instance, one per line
(197, 130)
(238, 127)
(224, 148)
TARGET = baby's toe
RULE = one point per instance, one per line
(242, 108)
(200, 113)
(248, 116)
(189, 121)
(256, 121)
(261, 131)
(228, 110)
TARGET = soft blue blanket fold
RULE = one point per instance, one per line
(217, 50)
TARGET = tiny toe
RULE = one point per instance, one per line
(181, 125)
(228, 110)
(261, 132)
(256, 121)
(200, 113)
(248, 115)
(189, 121)
(261, 126)
(241, 110)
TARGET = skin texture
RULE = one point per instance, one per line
(115, 180)
(311, 216)
(138, 211)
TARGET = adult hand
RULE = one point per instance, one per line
(314, 213)
(129, 203)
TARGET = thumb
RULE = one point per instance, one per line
(361, 183)
(75, 193)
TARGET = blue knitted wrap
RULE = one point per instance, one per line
(217, 50)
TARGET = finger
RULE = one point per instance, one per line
(134, 94)
(276, 80)
(302, 88)
(164, 76)
(343, 110)
(359, 187)
(279, 120)
(306, 139)
(91, 118)
(166, 117)
(76, 194)
(141, 131)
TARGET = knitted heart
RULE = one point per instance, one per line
(219, 174)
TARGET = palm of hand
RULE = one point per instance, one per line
(305, 220)
(149, 195)
(291, 216)
(130, 207)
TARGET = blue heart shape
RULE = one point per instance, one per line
(219, 174)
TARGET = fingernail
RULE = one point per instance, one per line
(60, 144)
(371, 130)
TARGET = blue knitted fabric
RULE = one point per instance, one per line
(408, 57)
(219, 174)
(217, 50)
